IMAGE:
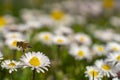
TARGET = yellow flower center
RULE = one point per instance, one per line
(57, 15)
(108, 3)
(46, 37)
(60, 40)
(115, 48)
(80, 53)
(118, 57)
(34, 61)
(82, 39)
(93, 73)
(106, 67)
(2, 21)
(14, 43)
(11, 64)
(100, 48)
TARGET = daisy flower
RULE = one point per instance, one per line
(61, 40)
(10, 35)
(113, 47)
(45, 37)
(12, 43)
(108, 35)
(60, 18)
(105, 68)
(11, 65)
(114, 58)
(63, 30)
(80, 52)
(82, 39)
(93, 72)
(36, 60)
(99, 49)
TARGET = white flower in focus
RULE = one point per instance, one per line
(80, 52)
(45, 37)
(61, 40)
(105, 68)
(11, 65)
(36, 60)
(93, 72)
(82, 39)
(113, 47)
(99, 49)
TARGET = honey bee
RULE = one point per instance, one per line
(23, 45)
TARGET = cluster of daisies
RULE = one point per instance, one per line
(35, 60)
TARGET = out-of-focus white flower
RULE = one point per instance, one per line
(13, 35)
(99, 49)
(11, 65)
(113, 46)
(63, 30)
(11, 43)
(105, 68)
(82, 39)
(10, 19)
(45, 37)
(34, 24)
(116, 78)
(61, 40)
(36, 60)
(116, 37)
(60, 18)
(114, 58)
(104, 35)
(115, 21)
(93, 72)
(1, 56)
(80, 52)
(79, 19)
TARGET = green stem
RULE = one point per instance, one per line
(14, 54)
(33, 78)
(10, 76)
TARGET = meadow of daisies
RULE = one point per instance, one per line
(67, 40)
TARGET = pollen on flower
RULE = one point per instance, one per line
(34, 61)
(14, 43)
(2, 21)
(118, 57)
(11, 64)
(93, 73)
(57, 15)
(82, 39)
(60, 40)
(115, 48)
(80, 53)
(100, 48)
(46, 37)
(106, 67)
